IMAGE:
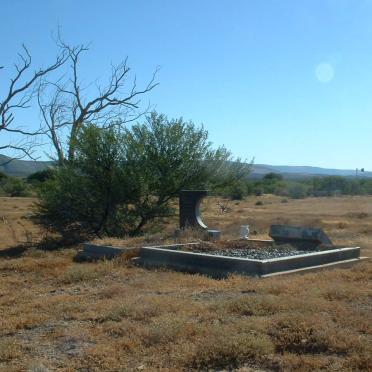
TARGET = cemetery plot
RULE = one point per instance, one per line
(216, 265)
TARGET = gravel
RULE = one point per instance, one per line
(255, 253)
(261, 253)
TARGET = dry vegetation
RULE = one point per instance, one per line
(56, 314)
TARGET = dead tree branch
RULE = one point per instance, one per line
(18, 96)
(70, 105)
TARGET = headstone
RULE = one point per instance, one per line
(244, 232)
(189, 203)
(300, 236)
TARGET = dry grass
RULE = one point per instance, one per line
(56, 314)
(15, 227)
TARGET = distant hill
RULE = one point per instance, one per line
(23, 168)
(292, 171)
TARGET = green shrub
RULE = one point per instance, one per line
(14, 186)
(3, 176)
(40, 176)
(273, 177)
(297, 191)
(258, 191)
(237, 191)
(122, 179)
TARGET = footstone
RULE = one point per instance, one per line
(303, 237)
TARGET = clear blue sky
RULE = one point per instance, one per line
(285, 82)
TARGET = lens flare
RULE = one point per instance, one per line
(324, 72)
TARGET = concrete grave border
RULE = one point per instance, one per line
(222, 266)
(168, 256)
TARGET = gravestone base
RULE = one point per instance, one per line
(213, 234)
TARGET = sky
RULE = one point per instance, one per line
(285, 82)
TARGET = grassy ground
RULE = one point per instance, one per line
(56, 314)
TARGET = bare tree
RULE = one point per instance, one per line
(69, 104)
(19, 96)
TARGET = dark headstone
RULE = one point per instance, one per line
(189, 202)
(302, 237)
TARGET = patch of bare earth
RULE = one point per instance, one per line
(56, 314)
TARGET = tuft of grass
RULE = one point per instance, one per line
(312, 335)
(9, 349)
(164, 330)
(85, 273)
(222, 348)
(253, 306)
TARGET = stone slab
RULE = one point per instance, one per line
(94, 251)
(303, 237)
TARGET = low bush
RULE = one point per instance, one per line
(2, 176)
(84, 273)
(236, 192)
(14, 187)
(216, 351)
(40, 176)
(297, 191)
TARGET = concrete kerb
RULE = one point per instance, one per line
(169, 256)
(222, 266)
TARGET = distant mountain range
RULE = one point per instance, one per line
(294, 171)
(23, 168)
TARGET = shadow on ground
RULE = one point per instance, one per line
(47, 244)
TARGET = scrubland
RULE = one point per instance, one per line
(57, 314)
